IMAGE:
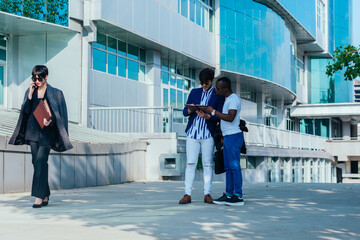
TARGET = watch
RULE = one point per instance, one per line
(213, 112)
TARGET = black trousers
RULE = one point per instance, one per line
(40, 156)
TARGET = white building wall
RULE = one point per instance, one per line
(161, 23)
(61, 53)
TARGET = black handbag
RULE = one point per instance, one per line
(219, 166)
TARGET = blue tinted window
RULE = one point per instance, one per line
(122, 67)
(133, 70)
(179, 99)
(133, 52)
(172, 80)
(184, 8)
(172, 97)
(99, 60)
(180, 83)
(165, 77)
(165, 97)
(112, 44)
(165, 64)
(198, 12)
(112, 64)
(142, 55)
(121, 48)
(44, 10)
(2, 42)
(100, 41)
(2, 54)
(192, 10)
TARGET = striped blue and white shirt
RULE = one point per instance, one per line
(198, 129)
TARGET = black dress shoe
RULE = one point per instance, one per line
(37, 205)
(45, 203)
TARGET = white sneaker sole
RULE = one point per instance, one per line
(219, 202)
(234, 204)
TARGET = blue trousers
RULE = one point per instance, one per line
(232, 147)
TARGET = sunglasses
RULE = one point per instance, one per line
(205, 83)
(34, 79)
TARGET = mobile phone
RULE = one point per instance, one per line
(34, 86)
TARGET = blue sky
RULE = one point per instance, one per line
(356, 22)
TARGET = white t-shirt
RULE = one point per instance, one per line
(228, 128)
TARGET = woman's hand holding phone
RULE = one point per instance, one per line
(32, 88)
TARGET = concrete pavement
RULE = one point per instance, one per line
(150, 210)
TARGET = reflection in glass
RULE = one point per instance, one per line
(165, 97)
(172, 80)
(2, 42)
(122, 67)
(184, 8)
(133, 70)
(100, 41)
(121, 48)
(99, 60)
(172, 97)
(112, 64)
(53, 11)
(133, 52)
(165, 77)
(112, 44)
(187, 84)
(198, 13)
(2, 54)
(192, 10)
(179, 83)
(142, 55)
(172, 67)
(165, 64)
(179, 99)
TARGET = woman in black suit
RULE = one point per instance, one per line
(54, 135)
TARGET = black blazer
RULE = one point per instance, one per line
(58, 107)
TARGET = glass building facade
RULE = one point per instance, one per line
(198, 11)
(304, 12)
(255, 41)
(116, 57)
(53, 11)
(334, 89)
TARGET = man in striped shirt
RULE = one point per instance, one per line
(199, 129)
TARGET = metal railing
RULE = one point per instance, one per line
(138, 119)
(169, 119)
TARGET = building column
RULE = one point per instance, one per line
(346, 130)
(328, 173)
(153, 75)
(287, 170)
(315, 170)
(307, 170)
(322, 171)
(298, 170)
(275, 170)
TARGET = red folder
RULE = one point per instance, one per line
(42, 111)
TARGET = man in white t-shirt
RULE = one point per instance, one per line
(233, 140)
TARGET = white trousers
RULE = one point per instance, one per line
(192, 153)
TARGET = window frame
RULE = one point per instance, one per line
(118, 54)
